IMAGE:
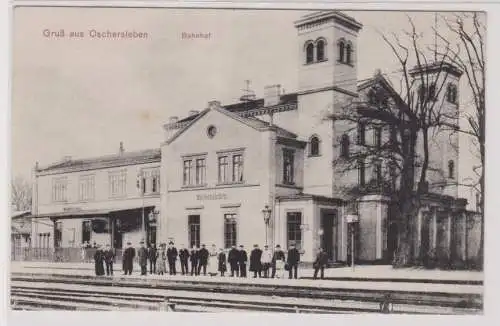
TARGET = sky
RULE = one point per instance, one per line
(81, 97)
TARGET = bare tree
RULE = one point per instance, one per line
(21, 194)
(468, 53)
(412, 115)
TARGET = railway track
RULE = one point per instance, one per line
(78, 295)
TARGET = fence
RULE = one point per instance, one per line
(73, 255)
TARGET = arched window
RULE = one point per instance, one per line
(372, 97)
(314, 146)
(361, 133)
(348, 53)
(309, 53)
(451, 169)
(320, 50)
(344, 146)
(341, 47)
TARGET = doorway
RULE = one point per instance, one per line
(329, 236)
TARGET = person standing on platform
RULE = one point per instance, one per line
(162, 260)
(99, 261)
(221, 262)
(128, 259)
(213, 265)
(242, 261)
(255, 265)
(278, 262)
(194, 261)
(143, 258)
(152, 254)
(172, 258)
(320, 263)
(292, 260)
(233, 258)
(109, 257)
(203, 255)
(266, 260)
(184, 257)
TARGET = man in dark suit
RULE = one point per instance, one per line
(152, 255)
(278, 256)
(143, 258)
(184, 257)
(109, 257)
(232, 258)
(293, 259)
(194, 260)
(128, 259)
(172, 258)
(255, 264)
(203, 259)
(242, 261)
(320, 263)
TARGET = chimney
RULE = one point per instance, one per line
(173, 119)
(121, 148)
(193, 112)
(272, 95)
(214, 105)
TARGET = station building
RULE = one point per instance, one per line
(263, 171)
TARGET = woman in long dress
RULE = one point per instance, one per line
(99, 262)
(161, 260)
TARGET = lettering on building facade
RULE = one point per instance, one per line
(214, 196)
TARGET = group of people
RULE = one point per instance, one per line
(263, 263)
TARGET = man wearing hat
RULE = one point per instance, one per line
(232, 258)
(265, 260)
(203, 259)
(109, 256)
(143, 258)
(242, 261)
(172, 258)
(128, 259)
(293, 259)
(278, 258)
(255, 265)
(184, 258)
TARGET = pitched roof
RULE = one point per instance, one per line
(107, 161)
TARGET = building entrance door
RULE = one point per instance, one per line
(329, 233)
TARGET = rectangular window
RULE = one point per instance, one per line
(58, 234)
(201, 171)
(155, 180)
(186, 176)
(230, 226)
(151, 180)
(223, 169)
(377, 137)
(118, 183)
(86, 188)
(86, 231)
(194, 230)
(377, 170)
(238, 168)
(294, 230)
(60, 189)
(288, 166)
(361, 171)
(361, 133)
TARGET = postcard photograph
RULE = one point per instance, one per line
(247, 160)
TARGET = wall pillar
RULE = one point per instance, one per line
(434, 228)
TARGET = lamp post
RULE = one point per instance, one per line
(352, 220)
(266, 213)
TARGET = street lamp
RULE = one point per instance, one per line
(352, 220)
(266, 213)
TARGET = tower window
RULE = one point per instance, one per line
(348, 54)
(451, 94)
(314, 146)
(344, 146)
(432, 92)
(320, 50)
(361, 133)
(377, 137)
(341, 47)
(361, 172)
(451, 169)
(309, 53)
(378, 171)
